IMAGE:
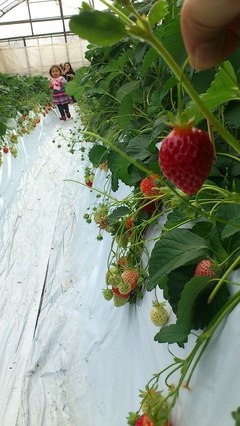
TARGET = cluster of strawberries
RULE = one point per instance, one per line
(122, 281)
(154, 407)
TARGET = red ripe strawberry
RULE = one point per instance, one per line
(129, 226)
(131, 277)
(203, 269)
(185, 157)
(117, 292)
(5, 149)
(144, 421)
(148, 185)
(89, 183)
(148, 208)
(129, 223)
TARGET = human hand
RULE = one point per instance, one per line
(211, 30)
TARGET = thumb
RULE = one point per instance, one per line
(208, 30)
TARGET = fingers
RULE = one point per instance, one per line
(211, 30)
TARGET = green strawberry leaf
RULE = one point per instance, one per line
(231, 114)
(202, 228)
(119, 169)
(157, 12)
(223, 88)
(137, 148)
(174, 249)
(97, 155)
(148, 60)
(125, 111)
(116, 64)
(231, 228)
(204, 312)
(126, 88)
(118, 213)
(176, 217)
(220, 252)
(173, 42)
(3, 128)
(101, 28)
(73, 89)
(176, 282)
(178, 333)
(236, 416)
(86, 6)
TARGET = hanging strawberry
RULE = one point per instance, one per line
(186, 156)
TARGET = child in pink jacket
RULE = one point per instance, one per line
(59, 97)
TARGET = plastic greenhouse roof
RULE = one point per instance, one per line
(7, 5)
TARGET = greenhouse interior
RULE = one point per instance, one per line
(119, 212)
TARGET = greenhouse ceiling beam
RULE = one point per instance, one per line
(36, 36)
(26, 21)
(9, 6)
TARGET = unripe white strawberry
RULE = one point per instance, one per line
(159, 314)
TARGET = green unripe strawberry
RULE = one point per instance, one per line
(112, 276)
(122, 240)
(107, 294)
(158, 314)
(124, 287)
(13, 151)
(119, 301)
(100, 216)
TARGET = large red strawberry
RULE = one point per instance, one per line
(144, 421)
(204, 269)
(186, 157)
(148, 185)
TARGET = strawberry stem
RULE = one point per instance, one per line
(116, 149)
(222, 280)
(158, 46)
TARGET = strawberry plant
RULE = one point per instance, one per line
(23, 98)
(139, 85)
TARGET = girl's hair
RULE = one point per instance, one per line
(55, 66)
(71, 70)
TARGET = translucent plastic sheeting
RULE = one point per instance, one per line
(67, 356)
(36, 60)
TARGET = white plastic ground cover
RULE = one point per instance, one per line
(67, 356)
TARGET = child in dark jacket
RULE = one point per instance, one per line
(59, 97)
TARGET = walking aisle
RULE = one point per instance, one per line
(67, 356)
(31, 192)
